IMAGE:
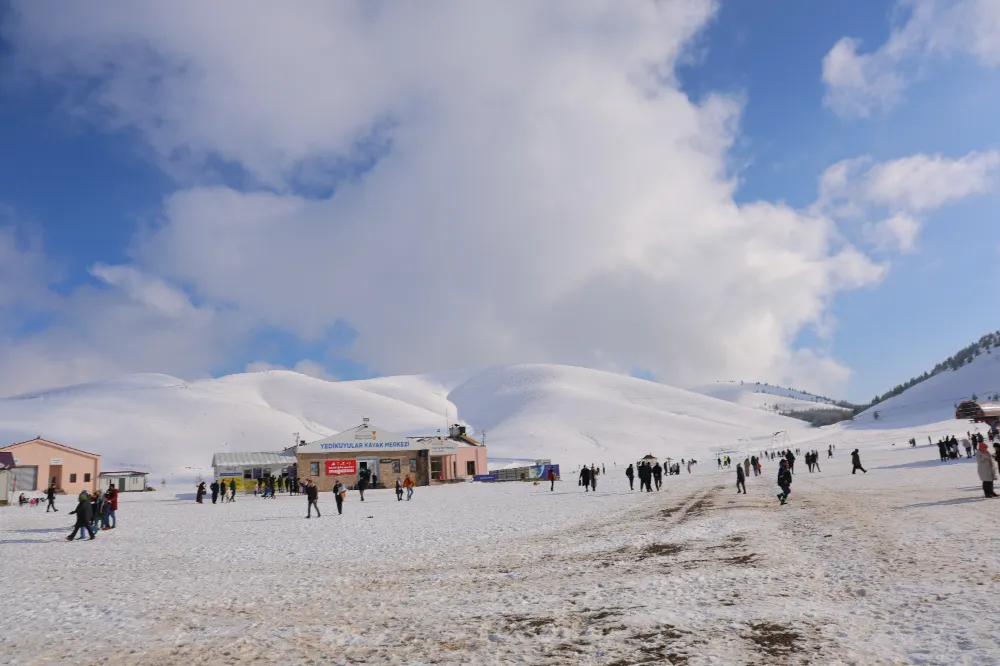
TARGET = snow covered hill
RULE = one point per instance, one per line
(934, 399)
(765, 396)
(571, 415)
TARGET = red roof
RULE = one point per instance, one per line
(45, 441)
(130, 471)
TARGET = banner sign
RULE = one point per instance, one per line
(485, 477)
(388, 461)
(337, 467)
(444, 447)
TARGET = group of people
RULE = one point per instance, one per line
(649, 475)
(588, 477)
(340, 492)
(93, 510)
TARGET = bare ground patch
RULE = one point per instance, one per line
(775, 640)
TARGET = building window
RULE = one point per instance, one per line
(314, 469)
(470, 467)
(395, 467)
(86, 478)
(413, 464)
(257, 473)
(72, 478)
(248, 473)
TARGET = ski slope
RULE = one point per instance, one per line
(172, 427)
(767, 397)
(934, 399)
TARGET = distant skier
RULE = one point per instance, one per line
(784, 481)
(585, 478)
(740, 480)
(312, 496)
(856, 462)
(630, 474)
(552, 479)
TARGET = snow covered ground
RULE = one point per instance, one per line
(897, 566)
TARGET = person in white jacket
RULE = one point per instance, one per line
(986, 465)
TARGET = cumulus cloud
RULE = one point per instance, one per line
(859, 84)
(463, 183)
(902, 190)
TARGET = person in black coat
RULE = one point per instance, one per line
(363, 483)
(585, 478)
(784, 481)
(312, 495)
(50, 495)
(200, 494)
(856, 462)
(84, 517)
(630, 473)
(740, 480)
(215, 491)
(657, 475)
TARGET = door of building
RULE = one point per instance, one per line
(55, 476)
(368, 464)
(121, 484)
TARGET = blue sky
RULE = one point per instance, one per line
(95, 170)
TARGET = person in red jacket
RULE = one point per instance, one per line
(112, 498)
(552, 479)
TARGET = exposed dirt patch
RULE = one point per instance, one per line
(659, 550)
(775, 640)
(669, 511)
(740, 560)
(526, 625)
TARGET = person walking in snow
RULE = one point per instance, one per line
(362, 484)
(50, 495)
(409, 484)
(399, 489)
(829, 451)
(657, 472)
(856, 462)
(968, 447)
(339, 493)
(312, 495)
(746, 467)
(84, 517)
(630, 475)
(200, 494)
(740, 480)
(593, 478)
(585, 478)
(784, 481)
(215, 491)
(790, 459)
(986, 465)
(816, 461)
(552, 479)
(232, 490)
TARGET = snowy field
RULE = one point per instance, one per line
(898, 566)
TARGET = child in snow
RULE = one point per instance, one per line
(784, 481)
(399, 489)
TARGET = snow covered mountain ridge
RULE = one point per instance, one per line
(571, 415)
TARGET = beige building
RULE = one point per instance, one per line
(40, 463)
(345, 455)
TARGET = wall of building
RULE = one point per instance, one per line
(41, 455)
(4, 486)
(388, 462)
(132, 483)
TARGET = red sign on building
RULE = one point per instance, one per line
(336, 467)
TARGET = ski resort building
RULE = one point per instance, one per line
(247, 467)
(125, 482)
(388, 456)
(39, 463)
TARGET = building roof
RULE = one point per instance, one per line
(39, 440)
(250, 458)
(126, 472)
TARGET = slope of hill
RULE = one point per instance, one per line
(765, 396)
(933, 399)
(572, 415)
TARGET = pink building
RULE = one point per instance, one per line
(451, 460)
(40, 463)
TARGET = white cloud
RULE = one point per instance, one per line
(860, 84)
(901, 191)
(545, 191)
